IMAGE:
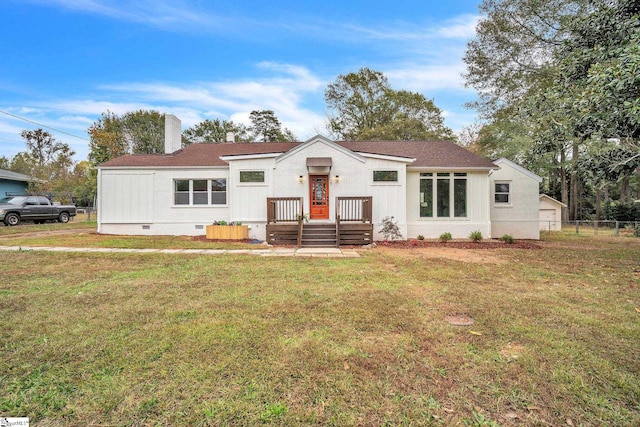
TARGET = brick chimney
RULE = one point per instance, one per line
(172, 134)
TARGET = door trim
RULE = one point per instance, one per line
(318, 211)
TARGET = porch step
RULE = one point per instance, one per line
(319, 236)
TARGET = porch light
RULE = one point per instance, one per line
(336, 178)
(301, 178)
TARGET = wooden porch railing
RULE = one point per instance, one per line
(354, 210)
(287, 210)
(353, 222)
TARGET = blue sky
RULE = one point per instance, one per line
(64, 62)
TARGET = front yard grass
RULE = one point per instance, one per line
(156, 339)
(88, 238)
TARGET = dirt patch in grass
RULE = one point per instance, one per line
(482, 252)
(461, 244)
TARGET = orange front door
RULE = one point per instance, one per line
(319, 196)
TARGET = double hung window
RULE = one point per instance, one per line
(502, 193)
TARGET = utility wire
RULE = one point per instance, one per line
(44, 126)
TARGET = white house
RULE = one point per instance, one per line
(550, 213)
(428, 187)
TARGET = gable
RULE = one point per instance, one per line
(550, 201)
(320, 144)
(505, 163)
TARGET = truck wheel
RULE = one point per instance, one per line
(12, 219)
(64, 217)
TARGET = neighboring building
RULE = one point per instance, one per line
(13, 184)
(550, 213)
(427, 187)
(514, 201)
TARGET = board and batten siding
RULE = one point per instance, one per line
(477, 218)
(126, 197)
(389, 198)
(349, 168)
(142, 202)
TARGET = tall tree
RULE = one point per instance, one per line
(5, 162)
(144, 131)
(214, 131)
(135, 132)
(107, 139)
(266, 127)
(46, 159)
(366, 107)
(514, 47)
(562, 72)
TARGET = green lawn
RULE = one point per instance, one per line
(128, 339)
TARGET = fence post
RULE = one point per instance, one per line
(617, 228)
(577, 226)
(595, 228)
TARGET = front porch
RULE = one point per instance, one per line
(288, 224)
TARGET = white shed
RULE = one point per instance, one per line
(550, 213)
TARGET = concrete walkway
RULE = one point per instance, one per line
(290, 252)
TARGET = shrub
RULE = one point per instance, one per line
(507, 238)
(475, 236)
(445, 237)
(420, 237)
(221, 222)
(390, 229)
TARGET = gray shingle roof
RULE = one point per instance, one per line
(14, 176)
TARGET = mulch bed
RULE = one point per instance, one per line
(414, 243)
(203, 238)
(485, 244)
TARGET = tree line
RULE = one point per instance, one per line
(559, 92)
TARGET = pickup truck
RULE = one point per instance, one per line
(34, 208)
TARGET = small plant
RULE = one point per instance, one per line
(390, 229)
(475, 236)
(507, 238)
(223, 222)
(420, 237)
(304, 217)
(445, 237)
(273, 412)
(479, 420)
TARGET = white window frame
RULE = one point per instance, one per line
(509, 193)
(451, 176)
(191, 193)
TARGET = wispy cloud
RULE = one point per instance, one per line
(173, 15)
(284, 89)
(460, 27)
(284, 92)
(428, 77)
